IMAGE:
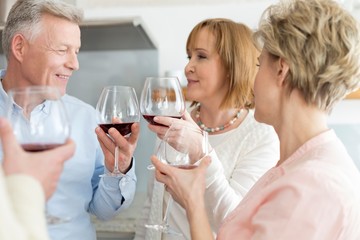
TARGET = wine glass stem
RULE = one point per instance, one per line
(116, 161)
(168, 207)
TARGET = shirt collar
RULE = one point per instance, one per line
(4, 96)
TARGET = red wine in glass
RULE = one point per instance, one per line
(150, 119)
(117, 108)
(34, 147)
(123, 128)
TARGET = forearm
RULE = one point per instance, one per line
(112, 195)
(199, 224)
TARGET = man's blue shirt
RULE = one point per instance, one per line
(80, 190)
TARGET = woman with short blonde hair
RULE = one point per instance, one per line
(310, 60)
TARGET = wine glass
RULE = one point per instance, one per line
(39, 121)
(161, 96)
(117, 107)
(176, 150)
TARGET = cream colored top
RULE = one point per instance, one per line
(22, 211)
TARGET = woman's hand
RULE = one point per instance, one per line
(166, 122)
(187, 186)
(45, 166)
(181, 134)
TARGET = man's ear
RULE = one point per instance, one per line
(18, 46)
(283, 70)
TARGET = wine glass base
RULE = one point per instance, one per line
(117, 175)
(164, 228)
(150, 167)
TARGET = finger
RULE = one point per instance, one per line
(117, 137)
(158, 164)
(173, 131)
(167, 121)
(158, 130)
(116, 120)
(135, 133)
(204, 163)
(108, 153)
(186, 115)
(104, 138)
(159, 172)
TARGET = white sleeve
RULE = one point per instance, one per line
(22, 204)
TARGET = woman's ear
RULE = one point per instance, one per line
(283, 70)
(18, 46)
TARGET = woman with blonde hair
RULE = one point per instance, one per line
(220, 74)
(310, 61)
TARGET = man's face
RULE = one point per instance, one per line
(51, 57)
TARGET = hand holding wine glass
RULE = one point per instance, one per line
(180, 155)
(117, 108)
(39, 121)
(162, 96)
(45, 166)
(186, 186)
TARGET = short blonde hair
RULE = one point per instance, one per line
(321, 43)
(25, 15)
(233, 42)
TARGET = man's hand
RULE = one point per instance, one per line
(126, 145)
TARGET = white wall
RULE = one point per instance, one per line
(170, 25)
(345, 120)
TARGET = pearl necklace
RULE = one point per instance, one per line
(216, 129)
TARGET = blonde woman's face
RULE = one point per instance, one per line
(205, 72)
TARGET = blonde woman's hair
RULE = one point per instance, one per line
(25, 16)
(321, 43)
(233, 42)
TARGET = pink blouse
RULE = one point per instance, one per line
(314, 194)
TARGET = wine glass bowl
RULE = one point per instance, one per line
(38, 117)
(117, 108)
(178, 151)
(161, 96)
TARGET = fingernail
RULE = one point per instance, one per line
(112, 130)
